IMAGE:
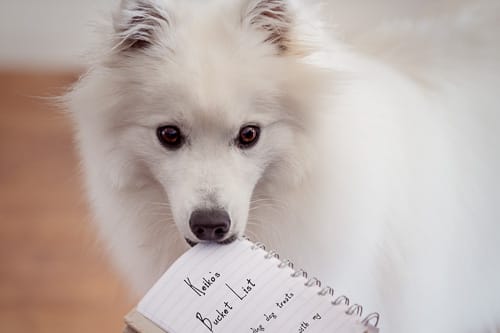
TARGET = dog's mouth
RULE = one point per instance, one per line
(226, 241)
(190, 242)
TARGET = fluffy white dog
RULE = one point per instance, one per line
(372, 161)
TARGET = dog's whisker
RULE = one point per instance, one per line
(262, 207)
(271, 230)
(161, 204)
(257, 198)
(268, 204)
(252, 235)
(266, 200)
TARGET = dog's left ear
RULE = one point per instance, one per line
(139, 24)
(272, 17)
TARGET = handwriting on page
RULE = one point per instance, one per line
(206, 283)
(273, 315)
(235, 294)
(235, 288)
(301, 327)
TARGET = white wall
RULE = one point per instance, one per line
(56, 33)
(47, 33)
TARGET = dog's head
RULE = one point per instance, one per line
(210, 99)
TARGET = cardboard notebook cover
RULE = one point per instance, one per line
(137, 323)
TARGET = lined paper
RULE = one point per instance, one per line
(235, 288)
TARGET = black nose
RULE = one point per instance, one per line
(210, 224)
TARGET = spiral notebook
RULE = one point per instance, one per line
(241, 287)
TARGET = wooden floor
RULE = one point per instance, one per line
(53, 276)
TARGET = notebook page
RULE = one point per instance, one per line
(234, 288)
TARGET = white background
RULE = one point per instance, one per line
(56, 33)
(48, 33)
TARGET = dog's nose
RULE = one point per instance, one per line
(210, 224)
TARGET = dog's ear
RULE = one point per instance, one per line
(274, 18)
(139, 23)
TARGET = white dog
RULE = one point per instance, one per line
(372, 164)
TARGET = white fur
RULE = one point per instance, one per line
(377, 168)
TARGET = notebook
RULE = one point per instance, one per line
(241, 287)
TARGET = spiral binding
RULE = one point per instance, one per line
(371, 319)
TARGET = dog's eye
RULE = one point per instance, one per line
(170, 137)
(248, 136)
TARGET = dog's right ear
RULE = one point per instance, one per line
(139, 24)
(273, 17)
